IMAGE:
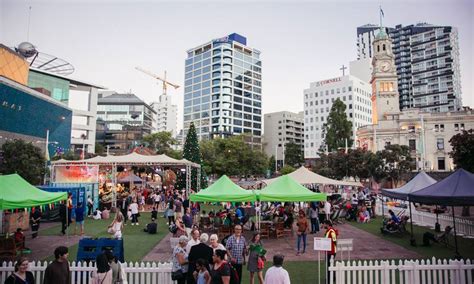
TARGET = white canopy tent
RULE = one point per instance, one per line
(305, 176)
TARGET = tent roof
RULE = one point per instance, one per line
(223, 190)
(420, 181)
(132, 158)
(455, 190)
(286, 189)
(15, 192)
(305, 176)
(127, 178)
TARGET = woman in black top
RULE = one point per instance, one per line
(220, 271)
(21, 275)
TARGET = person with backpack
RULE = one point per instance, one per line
(221, 270)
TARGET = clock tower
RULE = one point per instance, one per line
(385, 98)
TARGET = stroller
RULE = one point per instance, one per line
(394, 228)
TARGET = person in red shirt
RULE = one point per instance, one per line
(330, 233)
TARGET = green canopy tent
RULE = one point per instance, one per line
(286, 189)
(15, 192)
(223, 190)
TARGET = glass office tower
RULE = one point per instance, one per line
(223, 89)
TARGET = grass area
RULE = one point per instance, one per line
(300, 271)
(465, 246)
(136, 242)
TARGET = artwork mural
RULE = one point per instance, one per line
(75, 174)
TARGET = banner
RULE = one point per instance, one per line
(75, 174)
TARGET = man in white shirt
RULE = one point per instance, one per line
(277, 274)
(194, 240)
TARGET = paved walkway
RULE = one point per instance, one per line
(366, 246)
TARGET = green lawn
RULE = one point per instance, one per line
(465, 246)
(136, 242)
(300, 271)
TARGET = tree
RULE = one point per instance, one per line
(191, 152)
(294, 155)
(24, 159)
(160, 142)
(338, 129)
(397, 162)
(463, 150)
(99, 149)
(287, 169)
(271, 164)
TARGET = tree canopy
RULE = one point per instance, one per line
(463, 150)
(162, 143)
(294, 155)
(337, 128)
(24, 159)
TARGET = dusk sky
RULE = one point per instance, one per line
(301, 42)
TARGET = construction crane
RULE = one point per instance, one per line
(164, 81)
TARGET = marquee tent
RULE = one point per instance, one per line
(15, 192)
(286, 189)
(223, 190)
(455, 190)
(305, 176)
(130, 178)
(420, 181)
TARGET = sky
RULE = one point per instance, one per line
(300, 42)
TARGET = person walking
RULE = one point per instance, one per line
(124, 209)
(179, 260)
(118, 275)
(327, 209)
(277, 274)
(69, 209)
(220, 272)
(201, 275)
(256, 258)
(35, 219)
(116, 226)
(63, 217)
(313, 214)
(21, 275)
(195, 239)
(214, 243)
(103, 275)
(237, 250)
(90, 206)
(188, 222)
(79, 218)
(302, 225)
(330, 233)
(134, 210)
(57, 272)
(169, 213)
(199, 251)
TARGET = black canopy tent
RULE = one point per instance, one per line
(455, 190)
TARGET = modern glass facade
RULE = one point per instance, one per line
(223, 89)
(58, 88)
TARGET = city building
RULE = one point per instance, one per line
(427, 62)
(166, 115)
(318, 100)
(281, 128)
(122, 121)
(223, 89)
(427, 134)
(28, 114)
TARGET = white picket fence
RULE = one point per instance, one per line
(143, 272)
(405, 272)
(464, 227)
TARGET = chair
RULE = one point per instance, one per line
(265, 231)
(444, 237)
(8, 250)
(279, 230)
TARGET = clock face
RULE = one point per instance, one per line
(385, 66)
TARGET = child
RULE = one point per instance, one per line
(201, 275)
(154, 213)
(129, 214)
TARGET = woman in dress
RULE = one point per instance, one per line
(180, 261)
(220, 271)
(117, 225)
(214, 243)
(256, 256)
(21, 274)
(103, 275)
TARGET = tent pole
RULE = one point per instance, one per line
(437, 226)
(412, 238)
(457, 256)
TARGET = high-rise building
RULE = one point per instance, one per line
(223, 89)
(166, 115)
(122, 121)
(426, 134)
(281, 128)
(427, 61)
(318, 100)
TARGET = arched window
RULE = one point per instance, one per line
(378, 48)
(383, 47)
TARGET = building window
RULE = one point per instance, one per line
(462, 126)
(441, 164)
(440, 143)
(387, 143)
(412, 144)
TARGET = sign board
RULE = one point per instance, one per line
(322, 244)
(329, 81)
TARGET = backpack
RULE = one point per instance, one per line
(234, 276)
(173, 228)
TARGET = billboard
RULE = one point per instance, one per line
(75, 174)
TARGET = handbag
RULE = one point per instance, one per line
(177, 275)
(260, 263)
